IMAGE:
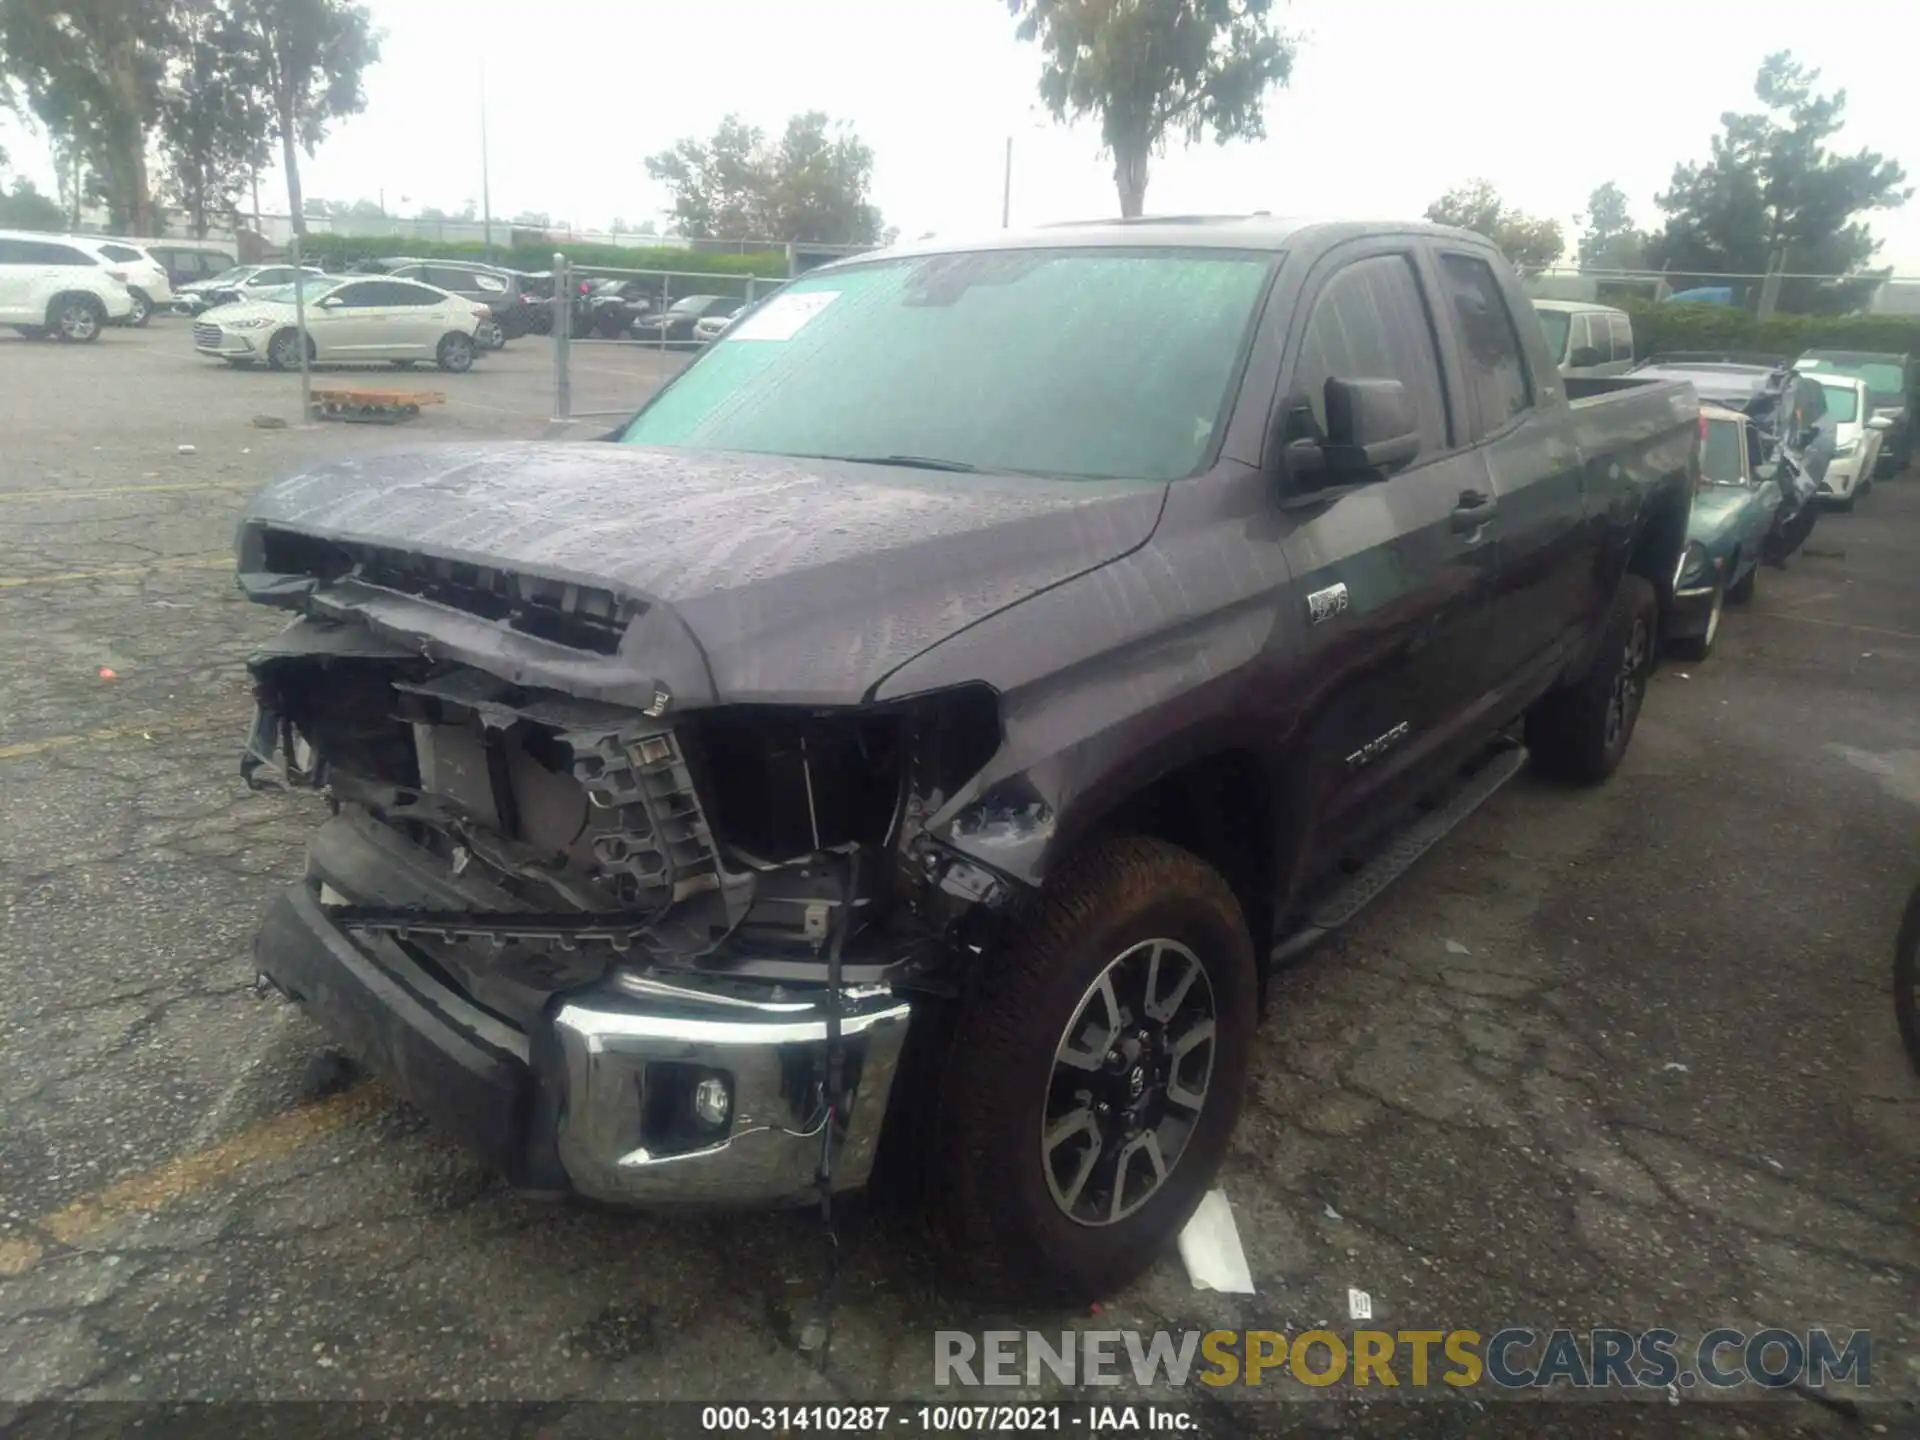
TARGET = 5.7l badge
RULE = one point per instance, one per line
(1323, 605)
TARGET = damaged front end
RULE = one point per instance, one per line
(645, 954)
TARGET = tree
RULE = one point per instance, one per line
(1611, 241)
(1528, 242)
(89, 70)
(1773, 188)
(215, 117)
(1154, 68)
(312, 54)
(23, 207)
(812, 185)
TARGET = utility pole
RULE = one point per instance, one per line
(1006, 187)
(486, 194)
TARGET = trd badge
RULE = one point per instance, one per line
(1323, 605)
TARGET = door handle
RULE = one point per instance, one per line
(1473, 511)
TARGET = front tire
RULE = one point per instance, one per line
(283, 351)
(1741, 591)
(455, 354)
(1096, 1074)
(1699, 647)
(1906, 980)
(1579, 732)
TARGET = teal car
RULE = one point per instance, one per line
(1733, 509)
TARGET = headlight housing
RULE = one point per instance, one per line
(257, 323)
(1693, 565)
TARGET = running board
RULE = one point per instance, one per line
(1340, 905)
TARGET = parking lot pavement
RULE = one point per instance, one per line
(1621, 1057)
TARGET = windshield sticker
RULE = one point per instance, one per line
(783, 317)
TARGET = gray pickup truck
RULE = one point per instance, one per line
(921, 728)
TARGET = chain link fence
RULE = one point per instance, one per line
(663, 310)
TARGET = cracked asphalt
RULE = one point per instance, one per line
(1611, 1058)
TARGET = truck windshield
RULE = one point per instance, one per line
(1842, 403)
(1081, 364)
(1884, 381)
(1556, 323)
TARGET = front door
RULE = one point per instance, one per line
(1393, 577)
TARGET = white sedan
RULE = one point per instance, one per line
(351, 320)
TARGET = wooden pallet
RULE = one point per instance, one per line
(373, 407)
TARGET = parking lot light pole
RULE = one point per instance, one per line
(300, 324)
(562, 339)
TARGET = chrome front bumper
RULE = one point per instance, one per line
(629, 1070)
(596, 1096)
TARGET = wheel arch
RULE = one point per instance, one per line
(63, 297)
(1229, 808)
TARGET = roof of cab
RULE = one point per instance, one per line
(1258, 231)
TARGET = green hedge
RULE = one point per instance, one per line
(1660, 328)
(340, 251)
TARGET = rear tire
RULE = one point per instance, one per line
(1579, 732)
(76, 319)
(455, 354)
(142, 310)
(1035, 1051)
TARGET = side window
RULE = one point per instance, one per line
(490, 284)
(119, 252)
(1497, 380)
(272, 275)
(1622, 329)
(1371, 323)
(360, 297)
(455, 280)
(1813, 400)
(399, 292)
(15, 252)
(48, 254)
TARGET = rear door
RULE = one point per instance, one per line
(19, 284)
(418, 315)
(1523, 429)
(1395, 576)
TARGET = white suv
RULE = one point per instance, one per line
(146, 277)
(49, 283)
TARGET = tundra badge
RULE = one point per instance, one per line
(1323, 605)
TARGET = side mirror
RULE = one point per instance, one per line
(1769, 470)
(1585, 358)
(1370, 426)
(1880, 422)
(331, 302)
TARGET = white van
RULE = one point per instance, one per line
(1587, 339)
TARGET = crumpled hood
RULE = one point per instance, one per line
(795, 581)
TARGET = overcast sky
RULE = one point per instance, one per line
(1392, 102)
